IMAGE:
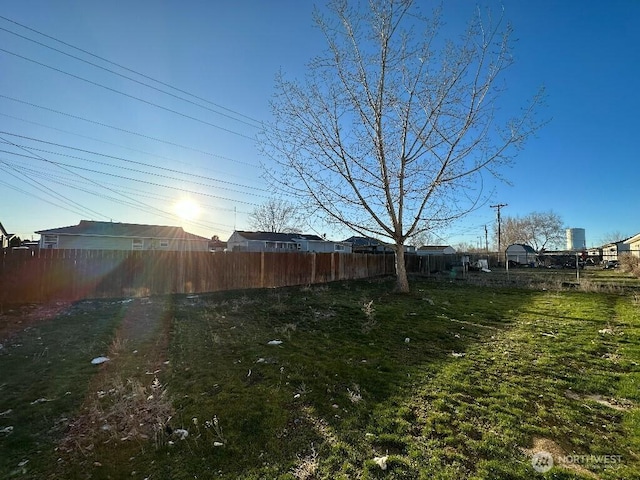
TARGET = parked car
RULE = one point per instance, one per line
(611, 264)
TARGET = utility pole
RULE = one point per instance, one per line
(498, 207)
(486, 239)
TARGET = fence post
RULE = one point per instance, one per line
(261, 269)
(333, 267)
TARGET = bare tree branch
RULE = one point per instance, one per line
(393, 127)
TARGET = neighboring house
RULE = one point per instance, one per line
(7, 239)
(216, 245)
(90, 235)
(368, 245)
(521, 254)
(372, 245)
(241, 241)
(634, 245)
(611, 251)
(436, 250)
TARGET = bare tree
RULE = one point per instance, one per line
(390, 132)
(540, 230)
(277, 216)
(612, 237)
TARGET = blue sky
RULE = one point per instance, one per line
(82, 143)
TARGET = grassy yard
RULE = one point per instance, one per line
(346, 380)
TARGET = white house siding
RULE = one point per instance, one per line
(634, 245)
(612, 251)
(127, 243)
(237, 242)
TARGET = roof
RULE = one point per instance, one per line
(434, 247)
(278, 237)
(111, 229)
(526, 248)
(363, 241)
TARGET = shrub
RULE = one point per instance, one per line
(630, 263)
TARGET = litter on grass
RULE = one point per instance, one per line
(275, 342)
(381, 461)
(181, 433)
(99, 360)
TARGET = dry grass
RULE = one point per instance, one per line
(122, 411)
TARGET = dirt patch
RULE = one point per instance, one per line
(614, 403)
(559, 455)
(126, 400)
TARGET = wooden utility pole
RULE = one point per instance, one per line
(498, 207)
(486, 239)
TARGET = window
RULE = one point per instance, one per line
(339, 248)
(137, 244)
(164, 243)
(50, 241)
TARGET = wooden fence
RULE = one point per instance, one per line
(69, 275)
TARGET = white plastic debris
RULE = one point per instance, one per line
(218, 444)
(407, 340)
(457, 355)
(381, 461)
(275, 342)
(605, 331)
(6, 430)
(181, 433)
(99, 360)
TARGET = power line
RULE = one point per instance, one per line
(32, 195)
(129, 78)
(76, 167)
(136, 203)
(45, 189)
(173, 160)
(129, 69)
(135, 162)
(133, 97)
(130, 132)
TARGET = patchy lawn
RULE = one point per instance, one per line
(345, 380)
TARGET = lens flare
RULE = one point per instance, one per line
(187, 209)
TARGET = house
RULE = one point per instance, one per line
(520, 254)
(7, 239)
(241, 241)
(611, 251)
(217, 245)
(90, 235)
(373, 245)
(436, 250)
(634, 245)
(368, 245)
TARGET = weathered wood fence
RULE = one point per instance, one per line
(69, 275)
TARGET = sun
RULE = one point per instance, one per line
(187, 209)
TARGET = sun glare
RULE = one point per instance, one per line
(187, 209)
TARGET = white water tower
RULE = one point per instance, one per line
(576, 239)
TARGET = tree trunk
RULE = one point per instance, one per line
(402, 282)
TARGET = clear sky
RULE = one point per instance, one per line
(80, 142)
